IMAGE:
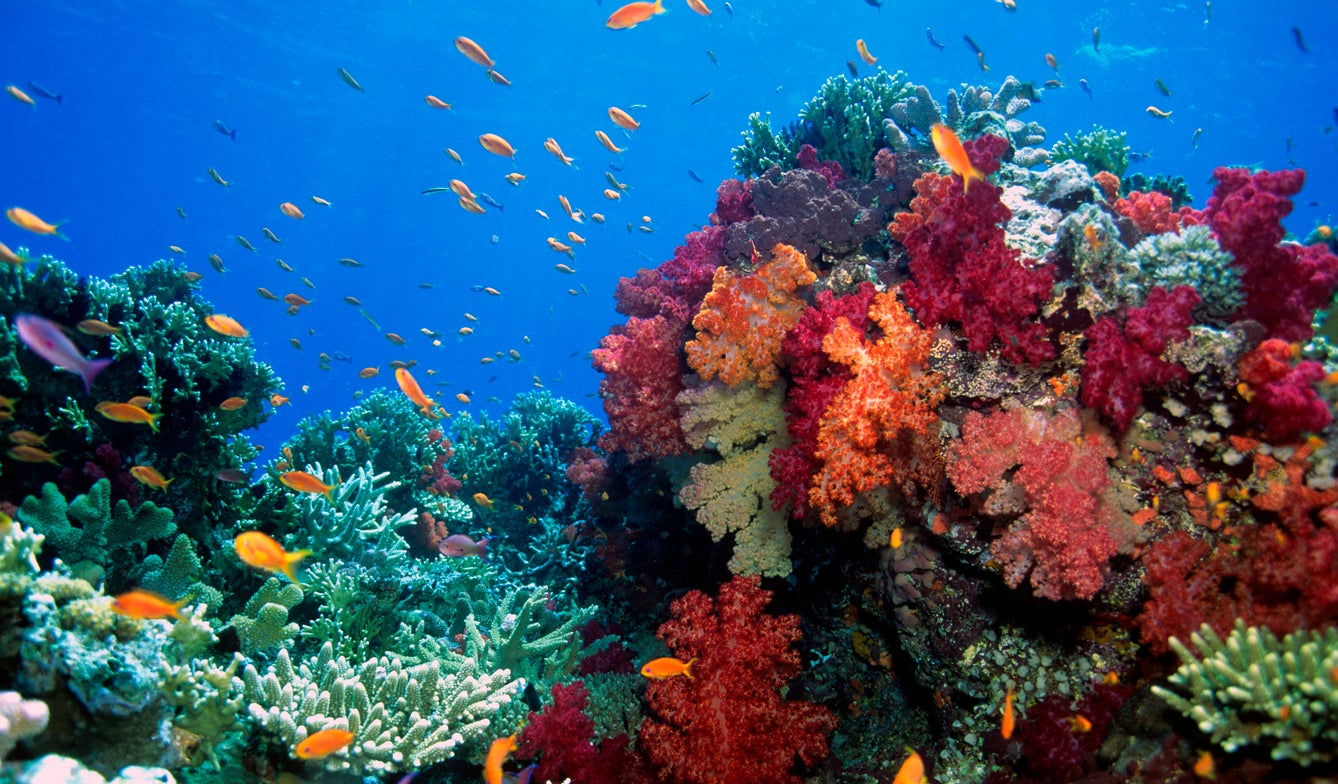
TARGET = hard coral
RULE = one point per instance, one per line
(963, 271)
(729, 723)
(1282, 395)
(1121, 362)
(744, 318)
(881, 428)
(1070, 530)
(1284, 284)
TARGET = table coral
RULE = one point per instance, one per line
(880, 429)
(963, 271)
(729, 722)
(1069, 531)
(1252, 689)
(744, 318)
(402, 717)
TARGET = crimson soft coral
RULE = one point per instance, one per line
(962, 270)
(1282, 395)
(729, 722)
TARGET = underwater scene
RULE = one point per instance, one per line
(672, 392)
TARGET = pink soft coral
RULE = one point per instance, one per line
(642, 376)
(1282, 395)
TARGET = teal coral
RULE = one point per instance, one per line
(1253, 689)
(1191, 258)
(263, 625)
(402, 717)
(90, 528)
(355, 523)
(1099, 150)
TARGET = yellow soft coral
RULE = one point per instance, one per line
(744, 318)
(733, 495)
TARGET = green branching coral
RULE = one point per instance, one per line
(1252, 689)
(529, 640)
(844, 122)
(355, 524)
(178, 574)
(89, 528)
(1173, 186)
(1191, 258)
(1100, 150)
(402, 717)
(263, 626)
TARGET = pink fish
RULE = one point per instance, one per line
(459, 545)
(50, 342)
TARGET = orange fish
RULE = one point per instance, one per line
(262, 552)
(455, 156)
(147, 605)
(97, 328)
(26, 220)
(296, 299)
(323, 743)
(912, 770)
(514, 178)
(368, 372)
(1006, 724)
(27, 437)
(483, 500)
(277, 400)
(1204, 767)
(1052, 62)
(895, 540)
(699, 7)
(950, 147)
(267, 294)
(473, 51)
(552, 146)
(26, 453)
(225, 325)
(436, 103)
(496, 78)
(497, 145)
(303, 482)
(233, 403)
(608, 143)
(125, 412)
(20, 95)
(864, 52)
(459, 188)
(462, 397)
(497, 755)
(469, 205)
(667, 667)
(10, 257)
(415, 393)
(1079, 723)
(466, 330)
(143, 401)
(621, 118)
(148, 475)
(633, 14)
(291, 210)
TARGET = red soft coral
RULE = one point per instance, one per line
(815, 382)
(1119, 364)
(881, 428)
(962, 270)
(729, 722)
(675, 288)
(1151, 212)
(1282, 395)
(562, 736)
(642, 376)
(733, 202)
(1070, 530)
(1284, 284)
(744, 318)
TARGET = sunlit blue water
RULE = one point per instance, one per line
(142, 84)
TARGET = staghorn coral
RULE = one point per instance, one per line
(744, 318)
(1252, 689)
(402, 717)
(732, 495)
(355, 524)
(880, 428)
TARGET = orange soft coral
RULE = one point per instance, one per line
(744, 318)
(880, 428)
(1151, 212)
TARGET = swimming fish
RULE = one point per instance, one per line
(323, 743)
(304, 482)
(291, 210)
(1096, 39)
(1300, 42)
(473, 51)
(461, 546)
(44, 92)
(863, 50)
(1052, 62)
(436, 103)
(553, 147)
(633, 14)
(149, 476)
(270, 235)
(667, 667)
(1155, 112)
(950, 148)
(622, 119)
(128, 413)
(20, 95)
(322, 202)
(349, 80)
(415, 393)
(147, 605)
(912, 770)
(699, 7)
(27, 453)
(929, 33)
(26, 220)
(608, 143)
(1163, 89)
(502, 747)
(97, 328)
(1085, 88)
(701, 98)
(48, 341)
(216, 177)
(497, 145)
(1008, 721)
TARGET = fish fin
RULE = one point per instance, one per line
(291, 560)
(687, 668)
(91, 371)
(233, 134)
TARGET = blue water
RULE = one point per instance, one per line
(142, 84)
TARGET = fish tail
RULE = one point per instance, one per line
(658, 8)
(91, 371)
(687, 668)
(153, 421)
(233, 134)
(292, 560)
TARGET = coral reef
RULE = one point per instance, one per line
(1099, 150)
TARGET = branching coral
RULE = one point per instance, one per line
(402, 717)
(880, 429)
(355, 523)
(1252, 689)
(744, 318)
(1099, 150)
